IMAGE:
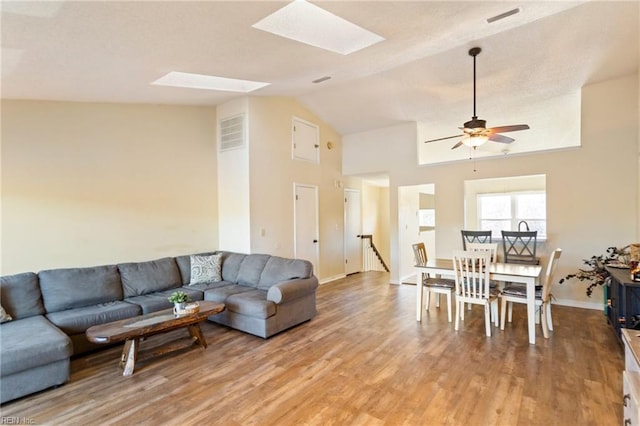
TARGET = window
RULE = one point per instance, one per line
(504, 211)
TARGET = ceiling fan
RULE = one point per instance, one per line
(475, 131)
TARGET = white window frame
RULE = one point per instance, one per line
(514, 220)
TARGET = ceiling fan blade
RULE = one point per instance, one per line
(500, 138)
(441, 139)
(513, 128)
(457, 145)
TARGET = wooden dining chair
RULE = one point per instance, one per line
(471, 270)
(517, 293)
(491, 248)
(475, 237)
(520, 246)
(434, 285)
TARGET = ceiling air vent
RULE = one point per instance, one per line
(232, 134)
(503, 15)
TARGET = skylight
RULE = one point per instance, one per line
(208, 82)
(312, 25)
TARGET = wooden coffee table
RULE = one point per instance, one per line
(132, 330)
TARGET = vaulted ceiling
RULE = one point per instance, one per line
(111, 51)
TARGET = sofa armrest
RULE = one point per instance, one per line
(286, 291)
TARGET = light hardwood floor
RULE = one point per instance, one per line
(364, 360)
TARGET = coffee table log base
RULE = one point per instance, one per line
(130, 349)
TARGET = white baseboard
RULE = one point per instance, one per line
(407, 279)
(598, 306)
(329, 279)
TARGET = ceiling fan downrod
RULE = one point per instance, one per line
(474, 51)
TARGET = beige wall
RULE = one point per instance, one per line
(234, 209)
(592, 191)
(273, 173)
(87, 184)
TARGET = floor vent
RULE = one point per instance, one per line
(232, 133)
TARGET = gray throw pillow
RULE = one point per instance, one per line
(206, 269)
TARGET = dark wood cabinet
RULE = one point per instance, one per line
(623, 304)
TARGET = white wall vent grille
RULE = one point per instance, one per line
(232, 133)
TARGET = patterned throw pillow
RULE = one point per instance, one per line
(206, 269)
(4, 316)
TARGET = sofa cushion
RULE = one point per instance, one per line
(279, 269)
(220, 294)
(31, 342)
(148, 277)
(231, 265)
(76, 321)
(252, 303)
(206, 286)
(184, 265)
(251, 269)
(20, 295)
(158, 301)
(78, 287)
(206, 268)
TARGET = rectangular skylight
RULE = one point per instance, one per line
(208, 82)
(310, 24)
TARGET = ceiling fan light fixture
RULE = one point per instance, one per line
(475, 141)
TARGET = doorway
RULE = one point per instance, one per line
(417, 223)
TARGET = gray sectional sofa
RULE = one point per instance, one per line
(51, 310)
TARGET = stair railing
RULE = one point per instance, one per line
(371, 256)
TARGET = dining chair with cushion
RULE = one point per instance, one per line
(520, 246)
(475, 237)
(471, 270)
(434, 285)
(517, 293)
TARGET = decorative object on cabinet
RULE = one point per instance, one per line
(596, 274)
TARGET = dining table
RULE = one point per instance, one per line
(507, 272)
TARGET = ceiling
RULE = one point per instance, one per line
(111, 51)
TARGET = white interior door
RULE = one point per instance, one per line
(306, 245)
(352, 231)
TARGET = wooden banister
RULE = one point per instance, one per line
(375, 250)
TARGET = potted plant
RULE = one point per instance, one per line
(596, 274)
(179, 298)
